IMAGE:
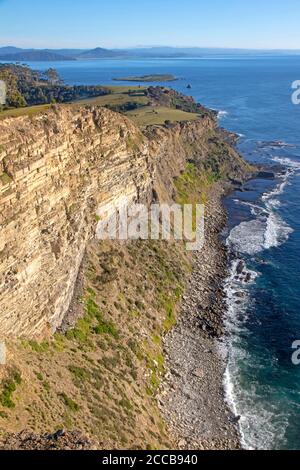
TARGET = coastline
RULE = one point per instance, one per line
(192, 399)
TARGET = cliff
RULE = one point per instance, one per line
(56, 170)
(101, 372)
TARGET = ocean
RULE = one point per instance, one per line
(253, 97)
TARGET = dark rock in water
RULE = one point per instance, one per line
(235, 419)
(266, 175)
(236, 182)
(274, 144)
(240, 267)
(248, 277)
(239, 294)
(189, 87)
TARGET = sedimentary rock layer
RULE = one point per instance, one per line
(56, 170)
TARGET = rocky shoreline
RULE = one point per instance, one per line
(192, 399)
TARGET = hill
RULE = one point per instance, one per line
(100, 53)
(9, 50)
(34, 55)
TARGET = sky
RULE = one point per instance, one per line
(258, 24)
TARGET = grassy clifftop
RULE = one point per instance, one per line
(30, 92)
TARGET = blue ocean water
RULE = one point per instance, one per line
(263, 234)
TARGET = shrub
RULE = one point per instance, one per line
(71, 404)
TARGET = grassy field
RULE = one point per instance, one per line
(28, 111)
(149, 115)
(120, 96)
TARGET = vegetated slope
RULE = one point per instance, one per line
(101, 372)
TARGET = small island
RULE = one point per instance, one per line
(148, 78)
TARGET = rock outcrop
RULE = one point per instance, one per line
(57, 170)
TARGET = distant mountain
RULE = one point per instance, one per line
(34, 56)
(15, 54)
(9, 50)
(66, 52)
(184, 52)
(100, 53)
(158, 52)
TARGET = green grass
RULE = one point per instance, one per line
(149, 115)
(193, 184)
(126, 89)
(125, 403)
(92, 323)
(105, 328)
(46, 386)
(5, 179)
(9, 386)
(117, 99)
(39, 376)
(39, 347)
(79, 374)
(119, 96)
(27, 111)
(187, 183)
(70, 404)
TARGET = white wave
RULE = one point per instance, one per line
(231, 401)
(248, 237)
(273, 204)
(222, 114)
(275, 144)
(237, 295)
(259, 234)
(270, 197)
(267, 230)
(277, 191)
(260, 425)
(277, 231)
(288, 162)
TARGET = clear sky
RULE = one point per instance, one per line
(126, 23)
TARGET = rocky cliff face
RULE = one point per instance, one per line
(56, 170)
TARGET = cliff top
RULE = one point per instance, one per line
(144, 106)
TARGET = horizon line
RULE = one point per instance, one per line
(152, 47)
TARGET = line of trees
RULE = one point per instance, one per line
(26, 87)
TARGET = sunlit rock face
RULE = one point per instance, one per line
(57, 170)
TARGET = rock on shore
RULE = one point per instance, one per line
(192, 400)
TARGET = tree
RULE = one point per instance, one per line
(53, 76)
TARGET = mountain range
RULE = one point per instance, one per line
(15, 54)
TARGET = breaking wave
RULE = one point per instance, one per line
(261, 424)
(268, 229)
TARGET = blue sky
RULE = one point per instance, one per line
(126, 23)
